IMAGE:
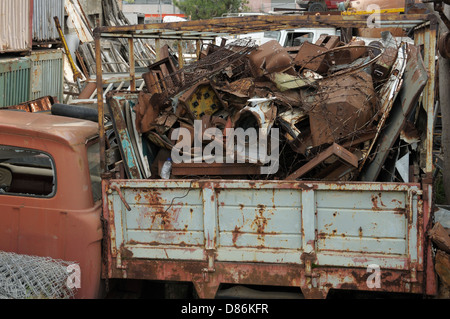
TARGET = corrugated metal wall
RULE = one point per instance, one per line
(47, 74)
(44, 29)
(14, 80)
(15, 25)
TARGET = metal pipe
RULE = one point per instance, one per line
(101, 124)
(132, 64)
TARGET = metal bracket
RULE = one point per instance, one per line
(409, 282)
(411, 194)
(119, 264)
(311, 276)
(211, 264)
(117, 189)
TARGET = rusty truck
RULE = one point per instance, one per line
(312, 235)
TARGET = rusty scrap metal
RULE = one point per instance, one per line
(335, 150)
(444, 45)
(43, 104)
(415, 80)
(345, 106)
(331, 100)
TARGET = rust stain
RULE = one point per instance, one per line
(236, 234)
(260, 221)
(154, 198)
(375, 203)
(381, 200)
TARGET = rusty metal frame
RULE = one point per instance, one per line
(418, 280)
(313, 270)
(212, 28)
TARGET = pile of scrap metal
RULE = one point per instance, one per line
(333, 111)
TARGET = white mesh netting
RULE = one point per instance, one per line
(31, 277)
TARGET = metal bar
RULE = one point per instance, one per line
(425, 37)
(430, 56)
(209, 215)
(132, 64)
(335, 149)
(259, 23)
(180, 55)
(98, 58)
(198, 50)
(158, 49)
(308, 235)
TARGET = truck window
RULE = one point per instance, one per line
(93, 153)
(273, 35)
(295, 39)
(26, 172)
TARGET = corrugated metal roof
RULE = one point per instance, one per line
(44, 28)
(15, 26)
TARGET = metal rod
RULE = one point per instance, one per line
(180, 55)
(132, 64)
(101, 124)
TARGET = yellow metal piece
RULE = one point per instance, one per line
(76, 73)
(201, 100)
(352, 12)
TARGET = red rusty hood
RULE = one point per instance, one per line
(63, 129)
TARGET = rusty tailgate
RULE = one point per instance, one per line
(284, 223)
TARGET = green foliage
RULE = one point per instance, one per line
(207, 9)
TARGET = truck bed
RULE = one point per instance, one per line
(326, 231)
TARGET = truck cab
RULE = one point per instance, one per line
(50, 192)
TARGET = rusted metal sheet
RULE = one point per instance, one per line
(389, 93)
(265, 223)
(444, 45)
(16, 25)
(40, 105)
(383, 66)
(312, 57)
(47, 74)
(44, 30)
(334, 150)
(345, 106)
(270, 57)
(159, 78)
(414, 82)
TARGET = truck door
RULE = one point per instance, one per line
(27, 185)
(50, 206)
